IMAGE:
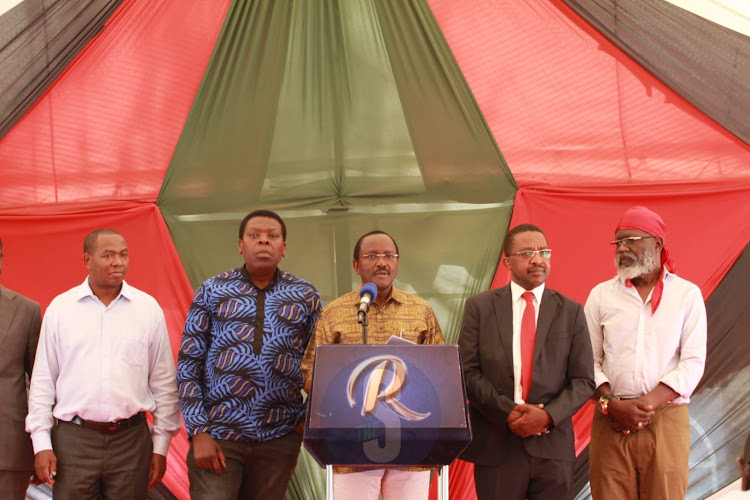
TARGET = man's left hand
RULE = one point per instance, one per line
(534, 421)
(157, 470)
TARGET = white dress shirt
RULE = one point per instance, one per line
(103, 363)
(519, 306)
(635, 350)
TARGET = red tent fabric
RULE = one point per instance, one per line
(570, 111)
(107, 128)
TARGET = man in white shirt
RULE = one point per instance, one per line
(648, 334)
(103, 360)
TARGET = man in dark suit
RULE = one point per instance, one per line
(20, 321)
(523, 444)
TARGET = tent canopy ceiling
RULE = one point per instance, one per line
(419, 117)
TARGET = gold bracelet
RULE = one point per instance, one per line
(604, 402)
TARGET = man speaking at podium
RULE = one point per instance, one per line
(528, 366)
(393, 312)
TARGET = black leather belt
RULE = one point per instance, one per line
(109, 427)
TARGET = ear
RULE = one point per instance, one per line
(506, 262)
(356, 266)
(87, 260)
(239, 246)
(659, 243)
(283, 250)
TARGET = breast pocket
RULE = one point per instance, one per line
(413, 331)
(134, 350)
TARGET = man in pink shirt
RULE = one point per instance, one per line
(103, 361)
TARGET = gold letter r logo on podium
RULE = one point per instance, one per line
(379, 367)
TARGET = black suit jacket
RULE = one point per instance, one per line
(20, 321)
(562, 378)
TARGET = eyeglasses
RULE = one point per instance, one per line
(546, 253)
(628, 242)
(372, 257)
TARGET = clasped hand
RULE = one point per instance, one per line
(529, 420)
(630, 415)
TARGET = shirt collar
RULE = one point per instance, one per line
(517, 290)
(396, 296)
(664, 273)
(84, 290)
(268, 287)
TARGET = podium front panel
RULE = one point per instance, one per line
(387, 405)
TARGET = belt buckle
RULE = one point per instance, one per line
(111, 426)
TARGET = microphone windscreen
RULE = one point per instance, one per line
(369, 288)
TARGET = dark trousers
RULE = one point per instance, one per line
(13, 484)
(94, 465)
(255, 470)
(520, 476)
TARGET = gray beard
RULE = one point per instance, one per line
(631, 269)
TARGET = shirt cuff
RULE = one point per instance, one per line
(197, 430)
(600, 379)
(41, 441)
(672, 383)
(161, 444)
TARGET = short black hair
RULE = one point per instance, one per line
(90, 241)
(359, 242)
(521, 228)
(263, 213)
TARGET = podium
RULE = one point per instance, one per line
(387, 406)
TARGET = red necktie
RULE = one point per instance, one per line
(528, 337)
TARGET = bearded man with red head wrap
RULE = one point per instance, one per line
(648, 334)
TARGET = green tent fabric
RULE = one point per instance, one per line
(362, 116)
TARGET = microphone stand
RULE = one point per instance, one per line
(362, 319)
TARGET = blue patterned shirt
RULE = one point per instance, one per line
(238, 369)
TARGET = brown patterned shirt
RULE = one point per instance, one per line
(402, 314)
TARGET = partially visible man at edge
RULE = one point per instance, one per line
(239, 370)
(103, 360)
(393, 312)
(20, 321)
(743, 464)
(648, 333)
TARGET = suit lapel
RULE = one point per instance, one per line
(7, 310)
(504, 314)
(547, 310)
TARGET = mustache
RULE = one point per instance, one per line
(626, 258)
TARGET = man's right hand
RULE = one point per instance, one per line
(45, 464)
(207, 453)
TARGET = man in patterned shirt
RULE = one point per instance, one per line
(393, 312)
(239, 372)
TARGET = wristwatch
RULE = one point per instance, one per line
(604, 402)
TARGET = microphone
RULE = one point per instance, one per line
(367, 294)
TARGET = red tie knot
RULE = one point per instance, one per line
(528, 297)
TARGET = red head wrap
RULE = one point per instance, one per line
(643, 219)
